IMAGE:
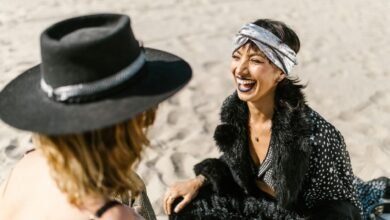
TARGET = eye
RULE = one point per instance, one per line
(235, 57)
(256, 61)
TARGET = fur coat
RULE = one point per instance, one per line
(295, 160)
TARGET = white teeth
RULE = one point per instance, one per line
(246, 81)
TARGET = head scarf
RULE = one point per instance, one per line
(273, 48)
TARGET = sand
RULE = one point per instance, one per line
(343, 59)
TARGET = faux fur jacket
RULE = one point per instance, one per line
(312, 176)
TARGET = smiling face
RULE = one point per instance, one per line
(255, 76)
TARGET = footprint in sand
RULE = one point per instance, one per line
(183, 164)
(13, 152)
(173, 117)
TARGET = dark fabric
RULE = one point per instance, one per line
(371, 192)
(298, 135)
(264, 171)
(87, 48)
(230, 206)
(217, 172)
(208, 205)
(330, 176)
(99, 213)
(334, 210)
(291, 132)
(29, 151)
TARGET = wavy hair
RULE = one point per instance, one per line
(98, 162)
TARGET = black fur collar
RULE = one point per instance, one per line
(291, 130)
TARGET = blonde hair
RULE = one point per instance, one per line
(98, 162)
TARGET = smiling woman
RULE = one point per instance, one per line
(280, 159)
(255, 76)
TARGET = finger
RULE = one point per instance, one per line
(182, 204)
(165, 201)
(166, 204)
(170, 201)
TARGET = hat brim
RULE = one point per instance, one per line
(25, 106)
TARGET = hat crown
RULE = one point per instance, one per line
(86, 49)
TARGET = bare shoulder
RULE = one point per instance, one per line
(31, 161)
(121, 213)
(30, 157)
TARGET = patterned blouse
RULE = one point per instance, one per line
(330, 175)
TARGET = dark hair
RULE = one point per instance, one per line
(289, 88)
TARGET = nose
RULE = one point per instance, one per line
(241, 67)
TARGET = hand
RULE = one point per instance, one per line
(188, 190)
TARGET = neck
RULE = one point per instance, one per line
(261, 110)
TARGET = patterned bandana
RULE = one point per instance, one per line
(276, 51)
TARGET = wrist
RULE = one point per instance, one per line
(201, 180)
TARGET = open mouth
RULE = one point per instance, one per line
(245, 85)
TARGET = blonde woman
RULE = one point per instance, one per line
(88, 106)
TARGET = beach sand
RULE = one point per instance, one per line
(343, 60)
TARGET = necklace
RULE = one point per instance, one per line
(265, 129)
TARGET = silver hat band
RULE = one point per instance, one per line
(64, 93)
(276, 51)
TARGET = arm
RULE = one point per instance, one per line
(187, 190)
(217, 173)
(330, 193)
(213, 172)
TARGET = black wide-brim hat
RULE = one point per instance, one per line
(93, 74)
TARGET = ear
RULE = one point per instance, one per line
(280, 76)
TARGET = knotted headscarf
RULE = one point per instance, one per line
(273, 48)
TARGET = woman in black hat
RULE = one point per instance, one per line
(88, 105)
(280, 159)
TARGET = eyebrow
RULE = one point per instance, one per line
(257, 53)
